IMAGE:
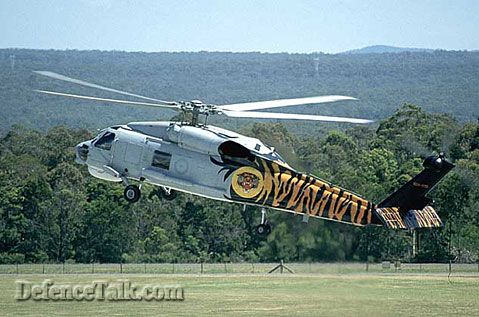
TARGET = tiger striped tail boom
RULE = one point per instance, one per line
(270, 183)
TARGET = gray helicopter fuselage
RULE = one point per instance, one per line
(223, 165)
(173, 155)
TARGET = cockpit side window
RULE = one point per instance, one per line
(105, 141)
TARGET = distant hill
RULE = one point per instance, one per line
(385, 49)
(440, 81)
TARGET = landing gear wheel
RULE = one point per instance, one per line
(132, 193)
(168, 193)
(263, 229)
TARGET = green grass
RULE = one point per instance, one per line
(357, 294)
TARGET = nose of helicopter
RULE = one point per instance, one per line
(82, 150)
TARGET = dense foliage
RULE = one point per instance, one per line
(440, 81)
(51, 210)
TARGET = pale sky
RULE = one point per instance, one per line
(232, 25)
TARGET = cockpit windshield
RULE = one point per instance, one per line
(105, 141)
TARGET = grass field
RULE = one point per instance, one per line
(349, 294)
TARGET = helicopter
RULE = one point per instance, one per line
(212, 162)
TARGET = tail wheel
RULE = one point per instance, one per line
(132, 193)
(263, 229)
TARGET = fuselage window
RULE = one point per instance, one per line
(105, 141)
(161, 160)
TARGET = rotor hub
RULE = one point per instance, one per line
(197, 107)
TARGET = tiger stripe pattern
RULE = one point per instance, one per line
(423, 218)
(283, 188)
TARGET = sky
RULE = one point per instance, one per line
(300, 26)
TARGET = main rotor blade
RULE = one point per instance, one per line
(291, 116)
(134, 103)
(282, 103)
(87, 84)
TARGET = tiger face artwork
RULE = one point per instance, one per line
(247, 181)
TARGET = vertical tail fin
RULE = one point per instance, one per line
(409, 207)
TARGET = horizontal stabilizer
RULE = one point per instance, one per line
(423, 218)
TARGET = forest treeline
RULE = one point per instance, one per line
(52, 210)
(440, 81)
